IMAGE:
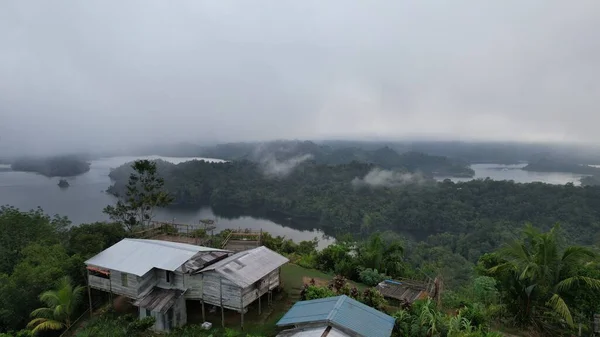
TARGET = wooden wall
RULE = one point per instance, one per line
(193, 283)
(131, 290)
(217, 290)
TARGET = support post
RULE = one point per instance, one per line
(221, 300)
(89, 292)
(112, 304)
(242, 306)
(203, 314)
(259, 308)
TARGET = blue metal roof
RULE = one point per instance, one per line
(341, 311)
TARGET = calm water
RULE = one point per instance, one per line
(85, 198)
(515, 172)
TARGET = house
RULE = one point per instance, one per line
(159, 276)
(156, 275)
(240, 279)
(339, 316)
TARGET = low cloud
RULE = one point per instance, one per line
(386, 178)
(282, 168)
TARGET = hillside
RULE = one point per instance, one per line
(383, 156)
(546, 164)
(63, 166)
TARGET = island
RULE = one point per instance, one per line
(63, 183)
(385, 157)
(547, 164)
(59, 166)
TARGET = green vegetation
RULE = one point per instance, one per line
(35, 251)
(468, 218)
(63, 166)
(540, 279)
(382, 156)
(552, 165)
(61, 304)
(144, 193)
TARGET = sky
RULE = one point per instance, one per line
(102, 74)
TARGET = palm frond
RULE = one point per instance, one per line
(575, 255)
(43, 313)
(40, 324)
(561, 308)
(568, 283)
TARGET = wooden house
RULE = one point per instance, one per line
(240, 279)
(155, 275)
(159, 276)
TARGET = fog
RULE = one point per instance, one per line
(106, 75)
(387, 178)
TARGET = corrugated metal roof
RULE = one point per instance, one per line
(137, 256)
(402, 291)
(159, 299)
(247, 267)
(341, 311)
(321, 331)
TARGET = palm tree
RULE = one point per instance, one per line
(542, 273)
(61, 304)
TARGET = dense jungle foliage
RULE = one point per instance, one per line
(469, 218)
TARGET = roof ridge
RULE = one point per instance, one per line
(336, 308)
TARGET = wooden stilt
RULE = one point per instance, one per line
(89, 293)
(203, 314)
(259, 308)
(242, 306)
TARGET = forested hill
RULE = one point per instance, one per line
(359, 198)
(61, 166)
(384, 156)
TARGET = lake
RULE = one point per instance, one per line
(85, 198)
(515, 172)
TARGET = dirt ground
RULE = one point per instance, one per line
(318, 281)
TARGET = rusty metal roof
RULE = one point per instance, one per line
(401, 290)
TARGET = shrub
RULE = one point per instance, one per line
(371, 277)
(140, 325)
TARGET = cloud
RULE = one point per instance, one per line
(386, 178)
(282, 168)
(219, 71)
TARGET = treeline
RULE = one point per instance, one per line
(469, 217)
(382, 156)
(62, 166)
(36, 250)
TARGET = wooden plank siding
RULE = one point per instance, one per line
(193, 283)
(130, 289)
(211, 287)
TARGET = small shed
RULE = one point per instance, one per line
(240, 279)
(400, 292)
(339, 316)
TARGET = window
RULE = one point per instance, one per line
(148, 313)
(124, 279)
(168, 276)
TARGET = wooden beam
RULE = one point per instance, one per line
(259, 296)
(89, 293)
(203, 314)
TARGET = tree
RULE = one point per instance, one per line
(61, 305)
(144, 193)
(539, 276)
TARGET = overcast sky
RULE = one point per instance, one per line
(88, 74)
